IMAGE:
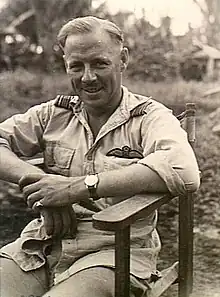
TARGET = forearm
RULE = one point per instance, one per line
(130, 180)
(56, 190)
(13, 168)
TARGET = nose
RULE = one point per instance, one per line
(88, 75)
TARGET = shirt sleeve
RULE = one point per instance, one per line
(167, 150)
(23, 133)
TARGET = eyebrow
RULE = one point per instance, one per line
(73, 59)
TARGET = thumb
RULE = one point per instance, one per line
(48, 221)
(29, 179)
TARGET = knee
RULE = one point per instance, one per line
(7, 266)
(15, 281)
(98, 281)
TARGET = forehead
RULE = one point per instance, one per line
(92, 43)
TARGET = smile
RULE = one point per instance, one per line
(92, 90)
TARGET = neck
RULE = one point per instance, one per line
(99, 116)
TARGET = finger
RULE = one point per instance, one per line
(29, 179)
(48, 221)
(31, 189)
(31, 199)
(58, 224)
(66, 219)
(50, 201)
(73, 223)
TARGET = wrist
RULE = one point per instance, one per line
(77, 191)
(91, 182)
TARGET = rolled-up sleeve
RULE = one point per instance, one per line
(22, 133)
(167, 151)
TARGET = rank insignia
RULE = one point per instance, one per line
(65, 101)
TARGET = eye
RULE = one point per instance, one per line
(100, 64)
(75, 67)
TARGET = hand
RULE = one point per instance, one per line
(51, 190)
(59, 221)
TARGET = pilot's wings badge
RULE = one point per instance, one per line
(125, 152)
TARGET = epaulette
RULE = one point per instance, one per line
(140, 109)
(65, 101)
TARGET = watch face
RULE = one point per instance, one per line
(91, 180)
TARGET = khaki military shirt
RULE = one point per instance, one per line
(140, 130)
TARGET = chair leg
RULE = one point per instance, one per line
(185, 245)
(122, 262)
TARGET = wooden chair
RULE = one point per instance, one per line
(119, 217)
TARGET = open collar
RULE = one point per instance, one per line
(121, 115)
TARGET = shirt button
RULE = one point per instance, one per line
(89, 157)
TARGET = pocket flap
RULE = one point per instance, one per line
(58, 155)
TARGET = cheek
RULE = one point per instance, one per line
(76, 81)
(116, 78)
(112, 76)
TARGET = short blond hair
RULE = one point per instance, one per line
(89, 24)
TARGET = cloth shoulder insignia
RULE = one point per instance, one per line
(140, 109)
(65, 101)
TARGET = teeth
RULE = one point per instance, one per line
(92, 90)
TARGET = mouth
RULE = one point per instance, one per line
(92, 90)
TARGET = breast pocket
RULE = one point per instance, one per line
(58, 158)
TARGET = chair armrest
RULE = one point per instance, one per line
(123, 214)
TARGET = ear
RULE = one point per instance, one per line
(124, 58)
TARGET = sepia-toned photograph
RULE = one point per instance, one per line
(109, 148)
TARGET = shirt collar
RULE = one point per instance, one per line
(121, 115)
(129, 102)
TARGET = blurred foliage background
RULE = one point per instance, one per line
(161, 65)
(29, 28)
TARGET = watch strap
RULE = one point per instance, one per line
(92, 193)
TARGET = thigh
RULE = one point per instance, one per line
(91, 282)
(17, 283)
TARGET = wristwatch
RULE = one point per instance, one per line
(91, 182)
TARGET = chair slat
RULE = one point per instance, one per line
(169, 276)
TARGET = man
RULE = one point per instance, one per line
(101, 146)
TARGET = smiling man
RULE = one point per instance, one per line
(94, 62)
(101, 145)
